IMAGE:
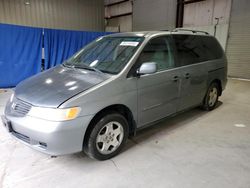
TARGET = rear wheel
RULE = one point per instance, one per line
(107, 137)
(211, 98)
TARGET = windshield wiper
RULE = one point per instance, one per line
(83, 66)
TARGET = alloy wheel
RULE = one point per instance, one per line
(109, 137)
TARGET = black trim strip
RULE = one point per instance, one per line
(120, 15)
(216, 69)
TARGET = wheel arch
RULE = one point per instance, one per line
(120, 108)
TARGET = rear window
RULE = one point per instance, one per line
(193, 49)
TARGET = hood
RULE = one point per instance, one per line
(51, 88)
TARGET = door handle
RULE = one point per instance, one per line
(175, 78)
(187, 75)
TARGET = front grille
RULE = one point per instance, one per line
(19, 107)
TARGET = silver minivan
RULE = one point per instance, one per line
(113, 87)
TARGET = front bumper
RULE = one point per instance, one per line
(53, 138)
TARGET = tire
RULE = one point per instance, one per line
(107, 137)
(211, 99)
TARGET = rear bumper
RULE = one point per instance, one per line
(53, 138)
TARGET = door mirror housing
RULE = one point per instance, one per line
(147, 68)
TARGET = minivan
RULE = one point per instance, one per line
(113, 87)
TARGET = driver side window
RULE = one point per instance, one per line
(158, 50)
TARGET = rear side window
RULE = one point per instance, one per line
(193, 49)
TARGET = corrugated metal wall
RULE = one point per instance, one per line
(238, 52)
(154, 14)
(60, 14)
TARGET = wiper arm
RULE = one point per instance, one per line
(83, 66)
(67, 64)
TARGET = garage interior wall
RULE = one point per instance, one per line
(154, 14)
(87, 15)
(239, 39)
(205, 15)
(118, 15)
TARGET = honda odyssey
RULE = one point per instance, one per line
(113, 87)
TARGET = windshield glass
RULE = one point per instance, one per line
(108, 54)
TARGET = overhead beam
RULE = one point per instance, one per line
(192, 1)
(116, 3)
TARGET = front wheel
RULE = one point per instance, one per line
(211, 98)
(107, 137)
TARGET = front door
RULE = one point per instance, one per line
(158, 93)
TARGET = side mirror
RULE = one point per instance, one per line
(147, 68)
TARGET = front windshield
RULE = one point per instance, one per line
(107, 54)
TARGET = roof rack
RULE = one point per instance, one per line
(190, 30)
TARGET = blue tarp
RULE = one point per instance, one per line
(21, 50)
(59, 45)
(20, 53)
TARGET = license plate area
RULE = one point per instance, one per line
(7, 124)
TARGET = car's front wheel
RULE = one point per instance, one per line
(107, 137)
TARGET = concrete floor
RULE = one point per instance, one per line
(194, 149)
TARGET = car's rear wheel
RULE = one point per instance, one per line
(107, 137)
(211, 98)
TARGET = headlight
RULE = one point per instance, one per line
(55, 114)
